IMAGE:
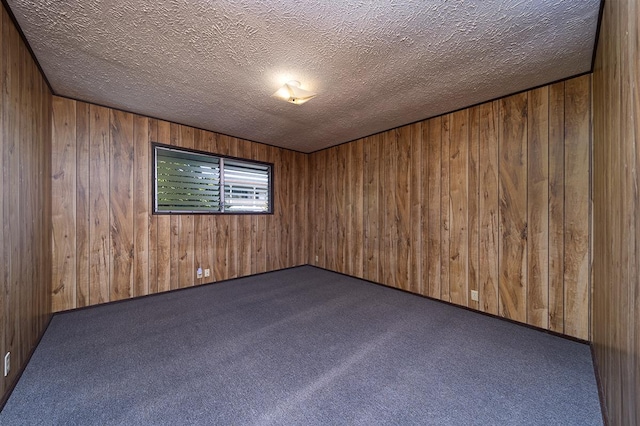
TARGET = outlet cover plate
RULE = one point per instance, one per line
(7, 363)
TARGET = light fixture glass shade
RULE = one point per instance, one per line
(291, 92)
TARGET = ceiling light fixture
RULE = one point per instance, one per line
(291, 92)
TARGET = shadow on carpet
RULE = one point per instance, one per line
(301, 346)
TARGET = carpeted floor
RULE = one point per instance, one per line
(301, 346)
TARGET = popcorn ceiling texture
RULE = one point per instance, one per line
(374, 64)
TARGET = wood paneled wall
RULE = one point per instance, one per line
(108, 245)
(25, 202)
(493, 199)
(616, 158)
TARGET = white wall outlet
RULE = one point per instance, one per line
(207, 273)
(7, 364)
(474, 295)
(316, 257)
(199, 273)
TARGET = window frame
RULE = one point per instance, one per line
(154, 182)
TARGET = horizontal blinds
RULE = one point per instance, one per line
(246, 186)
(193, 182)
(187, 182)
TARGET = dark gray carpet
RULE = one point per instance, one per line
(300, 346)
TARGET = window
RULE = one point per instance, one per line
(188, 181)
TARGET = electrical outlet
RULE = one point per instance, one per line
(199, 273)
(7, 364)
(207, 273)
(474, 295)
(316, 257)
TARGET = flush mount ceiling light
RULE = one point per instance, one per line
(291, 92)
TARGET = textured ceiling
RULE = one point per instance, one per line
(374, 64)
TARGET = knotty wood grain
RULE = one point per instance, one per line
(99, 235)
(342, 213)
(513, 207)
(83, 207)
(416, 222)
(435, 212)
(301, 218)
(142, 202)
(312, 204)
(425, 212)
(357, 206)
(473, 179)
(345, 212)
(445, 209)
(390, 240)
(403, 206)
(371, 196)
(287, 221)
(489, 207)
(279, 249)
(121, 205)
(64, 206)
(459, 207)
(538, 207)
(331, 209)
(556, 207)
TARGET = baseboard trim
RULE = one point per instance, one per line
(113, 302)
(533, 327)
